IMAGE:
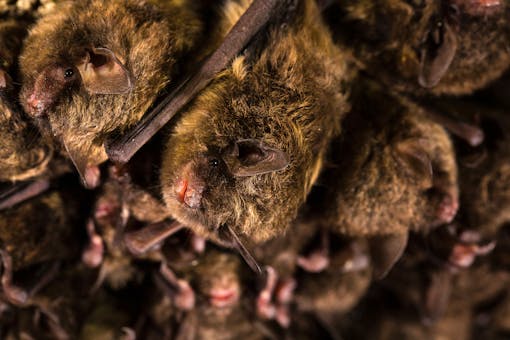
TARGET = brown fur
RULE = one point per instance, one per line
(370, 187)
(388, 35)
(40, 230)
(336, 290)
(291, 98)
(485, 186)
(23, 155)
(148, 40)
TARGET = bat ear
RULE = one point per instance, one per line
(103, 73)
(411, 154)
(249, 157)
(437, 55)
(385, 251)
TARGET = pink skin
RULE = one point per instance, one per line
(283, 291)
(315, 262)
(93, 254)
(3, 79)
(92, 177)
(184, 299)
(13, 294)
(198, 244)
(265, 309)
(224, 294)
(447, 209)
(467, 248)
(318, 260)
(479, 7)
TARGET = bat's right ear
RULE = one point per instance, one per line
(385, 251)
(103, 73)
(249, 157)
(437, 55)
(411, 154)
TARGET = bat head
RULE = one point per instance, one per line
(218, 279)
(98, 71)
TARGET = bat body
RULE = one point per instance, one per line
(91, 69)
(436, 47)
(390, 172)
(246, 152)
(23, 155)
(393, 170)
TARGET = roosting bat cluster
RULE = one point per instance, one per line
(259, 169)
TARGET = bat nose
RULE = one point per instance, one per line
(35, 105)
(189, 193)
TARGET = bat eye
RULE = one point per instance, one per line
(68, 73)
(214, 162)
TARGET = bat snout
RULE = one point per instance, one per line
(189, 192)
(35, 106)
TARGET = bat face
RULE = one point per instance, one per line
(449, 47)
(248, 150)
(93, 68)
(218, 279)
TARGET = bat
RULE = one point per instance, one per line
(91, 69)
(257, 16)
(23, 155)
(391, 171)
(236, 153)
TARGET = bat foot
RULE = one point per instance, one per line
(464, 255)
(265, 308)
(198, 244)
(185, 298)
(93, 254)
(283, 316)
(283, 293)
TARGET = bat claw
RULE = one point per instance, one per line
(447, 209)
(93, 254)
(185, 298)
(463, 255)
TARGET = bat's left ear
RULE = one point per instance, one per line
(437, 55)
(411, 154)
(385, 251)
(103, 73)
(249, 157)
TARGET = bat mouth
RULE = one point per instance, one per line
(223, 297)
